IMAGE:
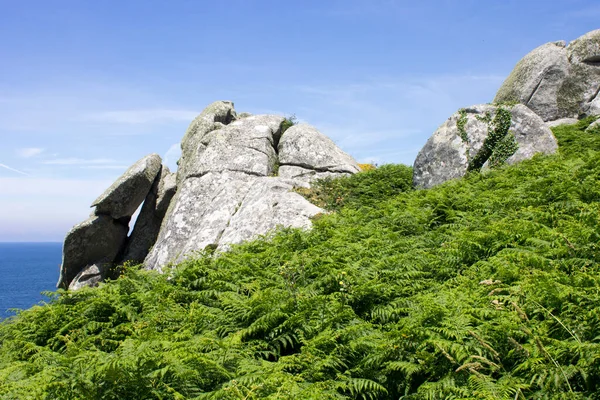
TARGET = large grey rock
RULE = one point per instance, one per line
(90, 276)
(124, 196)
(99, 239)
(223, 208)
(305, 153)
(451, 151)
(219, 112)
(557, 81)
(246, 145)
(151, 216)
(536, 79)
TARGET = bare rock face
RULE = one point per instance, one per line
(100, 240)
(147, 225)
(558, 81)
(236, 186)
(223, 208)
(481, 136)
(124, 196)
(306, 154)
(96, 240)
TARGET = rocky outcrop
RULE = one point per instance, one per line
(304, 153)
(235, 182)
(237, 186)
(91, 247)
(557, 81)
(481, 136)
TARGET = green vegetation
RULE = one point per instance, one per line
(486, 287)
(287, 123)
(499, 144)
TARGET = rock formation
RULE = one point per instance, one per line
(234, 183)
(481, 136)
(237, 184)
(558, 81)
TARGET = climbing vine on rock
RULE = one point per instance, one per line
(499, 145)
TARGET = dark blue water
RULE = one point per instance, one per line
(26, 270)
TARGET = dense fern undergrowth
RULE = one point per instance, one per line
(486, 287)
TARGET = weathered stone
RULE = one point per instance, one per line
(151, 216)
(303, 146)
(536, 79)
(124, 196)
(451, 151)
(586, 48)
(246, 145)
(90, 276)
(99, 239)
(270, 203)
(562, 121)
(557, 81)
(222, 208)
(244, 115)
(217, 112)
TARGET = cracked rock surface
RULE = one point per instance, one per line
(229, 193)
(447, 155)
(557, 80)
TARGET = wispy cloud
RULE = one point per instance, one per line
(13, 169)
(79, 161)
(28, 152)
(138, 117)
(172, 155)
(122, 167)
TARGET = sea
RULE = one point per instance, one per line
(27, 270)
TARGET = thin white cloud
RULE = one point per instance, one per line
(28, 152)
(138, 117)
(172, 155)
(79, 161)
(123, 167)
(13, 169)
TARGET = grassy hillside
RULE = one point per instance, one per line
(482, 288)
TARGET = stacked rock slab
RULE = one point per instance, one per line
(557, 81)
(93, 245)
(228, 191)
(468, 141)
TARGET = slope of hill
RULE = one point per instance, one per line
(486, 287)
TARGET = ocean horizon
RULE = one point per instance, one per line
(26, 270)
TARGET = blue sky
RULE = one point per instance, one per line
(89, 87)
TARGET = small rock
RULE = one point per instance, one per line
(90, 276)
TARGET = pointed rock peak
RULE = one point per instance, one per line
(124, 196)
